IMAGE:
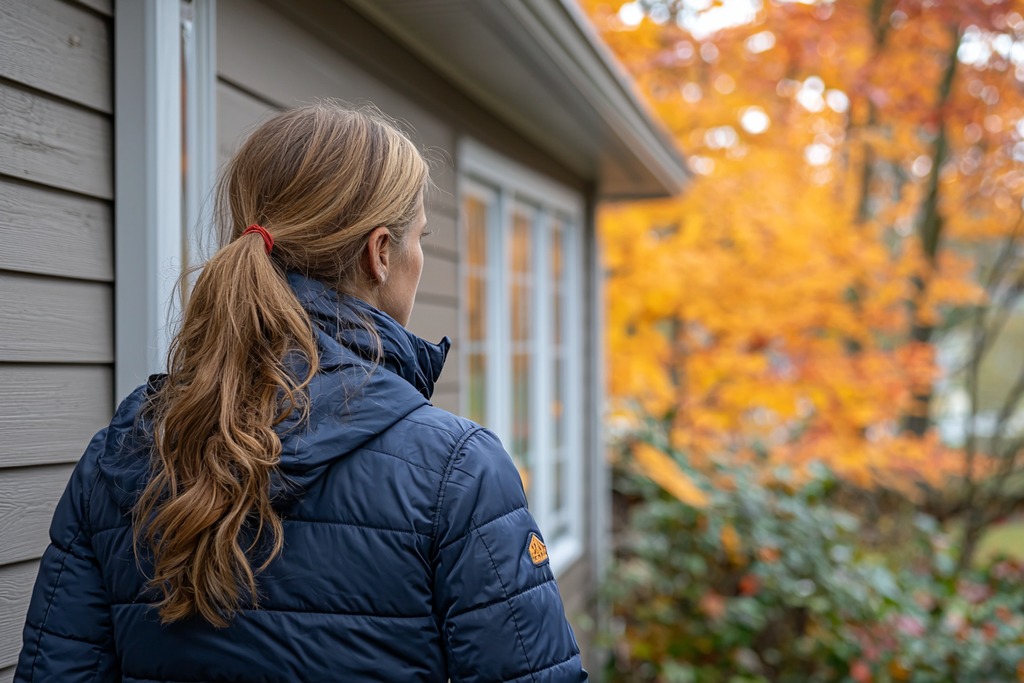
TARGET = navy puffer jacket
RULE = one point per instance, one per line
(406, 545)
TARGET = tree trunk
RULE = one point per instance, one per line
(930, 229)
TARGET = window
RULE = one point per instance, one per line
(520, 343)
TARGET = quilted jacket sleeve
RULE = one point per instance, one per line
(501, 612)
(68, 633)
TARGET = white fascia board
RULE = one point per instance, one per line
(566, 35)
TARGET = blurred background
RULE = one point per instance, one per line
(816, 350)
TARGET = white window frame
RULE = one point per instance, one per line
(152, 225)
(487, 174)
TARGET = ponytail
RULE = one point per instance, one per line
(207, 505)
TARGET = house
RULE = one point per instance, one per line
(115, 117)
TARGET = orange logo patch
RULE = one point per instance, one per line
(538, 551)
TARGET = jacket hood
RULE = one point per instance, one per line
(354, 397)
(360, 391)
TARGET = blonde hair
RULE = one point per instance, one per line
(320, 179)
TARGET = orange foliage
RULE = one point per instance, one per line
(664, 471)
(769, 309)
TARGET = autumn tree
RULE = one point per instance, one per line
(842, 279)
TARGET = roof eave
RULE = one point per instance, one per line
(577, 69)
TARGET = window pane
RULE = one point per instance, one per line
(521, 432)
(557, 250)
(560, 483)
(477, 403)
(522, 221)
(557, 284)
(558, 417)
(520, 281)
(475, 212)
(476, 307)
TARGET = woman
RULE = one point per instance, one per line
(285, 504)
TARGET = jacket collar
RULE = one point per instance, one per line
(341, 319)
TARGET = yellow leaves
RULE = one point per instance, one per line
(667, 474)
(898, 671)
(770, 306)
(731, 544)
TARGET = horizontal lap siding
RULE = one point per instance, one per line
(56, 271)
(15, 589)
(48, 413)
(59, 48)
(55, 233)
(55, 320)
(104, 7)
(54, 143)
(28, 497)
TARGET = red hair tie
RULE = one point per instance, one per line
(268, 241)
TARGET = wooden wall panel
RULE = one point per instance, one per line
(48, 413)
(238, 113)
(444, 238)
(56, 271)
(16, 581)
(439, 282)
(446, 399)
(55, 233)
(55, 143)
(28, 497)
(433, 321)
(58, 48)
(103, 7)
(58, 321)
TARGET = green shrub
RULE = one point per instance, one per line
(773, 583)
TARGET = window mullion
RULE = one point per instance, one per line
(499, 406)
(541, 381)
(574, 379)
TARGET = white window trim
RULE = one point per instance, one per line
(487, 174)
(201, 132)
(148, 219)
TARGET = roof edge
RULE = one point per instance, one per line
(608, 88)
(559, 32)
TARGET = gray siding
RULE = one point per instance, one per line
(56, 271)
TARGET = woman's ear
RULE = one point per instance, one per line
(378, 249)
